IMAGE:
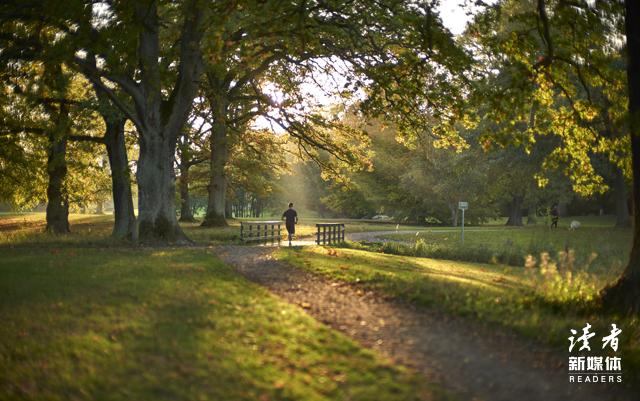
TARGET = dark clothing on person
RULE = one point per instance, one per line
(555, 216)
(290, 216)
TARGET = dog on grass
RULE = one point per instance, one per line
(575, 224)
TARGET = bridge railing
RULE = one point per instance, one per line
(329, 233)
(261, 231)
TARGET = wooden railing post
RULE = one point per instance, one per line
(329, 233)
(273, 233)
(261, 232)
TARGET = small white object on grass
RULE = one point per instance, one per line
(575, 224)
(397, 227)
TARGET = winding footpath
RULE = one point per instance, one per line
(469, 359)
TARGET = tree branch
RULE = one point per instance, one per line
(93, 75)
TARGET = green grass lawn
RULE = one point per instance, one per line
(601, 248)
(539, 303)
(174, 324)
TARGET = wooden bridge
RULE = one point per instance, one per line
(270, 232)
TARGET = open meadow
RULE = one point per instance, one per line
(75, 305)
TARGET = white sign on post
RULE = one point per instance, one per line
(463, 206)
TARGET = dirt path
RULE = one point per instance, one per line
(470, 359)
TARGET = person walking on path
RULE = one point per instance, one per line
(290, 216)
(555, 216)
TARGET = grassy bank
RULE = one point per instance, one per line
(542, 302)
(600, 248)
(97, 323)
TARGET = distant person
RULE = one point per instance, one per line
(555, 216)
(290, 216)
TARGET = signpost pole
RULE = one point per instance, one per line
(462, 206)
(463, 226)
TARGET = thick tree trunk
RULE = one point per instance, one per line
(624, 295)
(156, 190)
(161, 122)
(515, 211)
(186, 211)
(216, 209)
(454, 214)
(623, 219)
(124, 217)
(57, 197)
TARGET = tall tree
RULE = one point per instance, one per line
(625, 293)
(569, 53)
(158, 106)
(398, 50)
(57, 195)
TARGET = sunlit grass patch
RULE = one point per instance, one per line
(197, 233)
(28, 229)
